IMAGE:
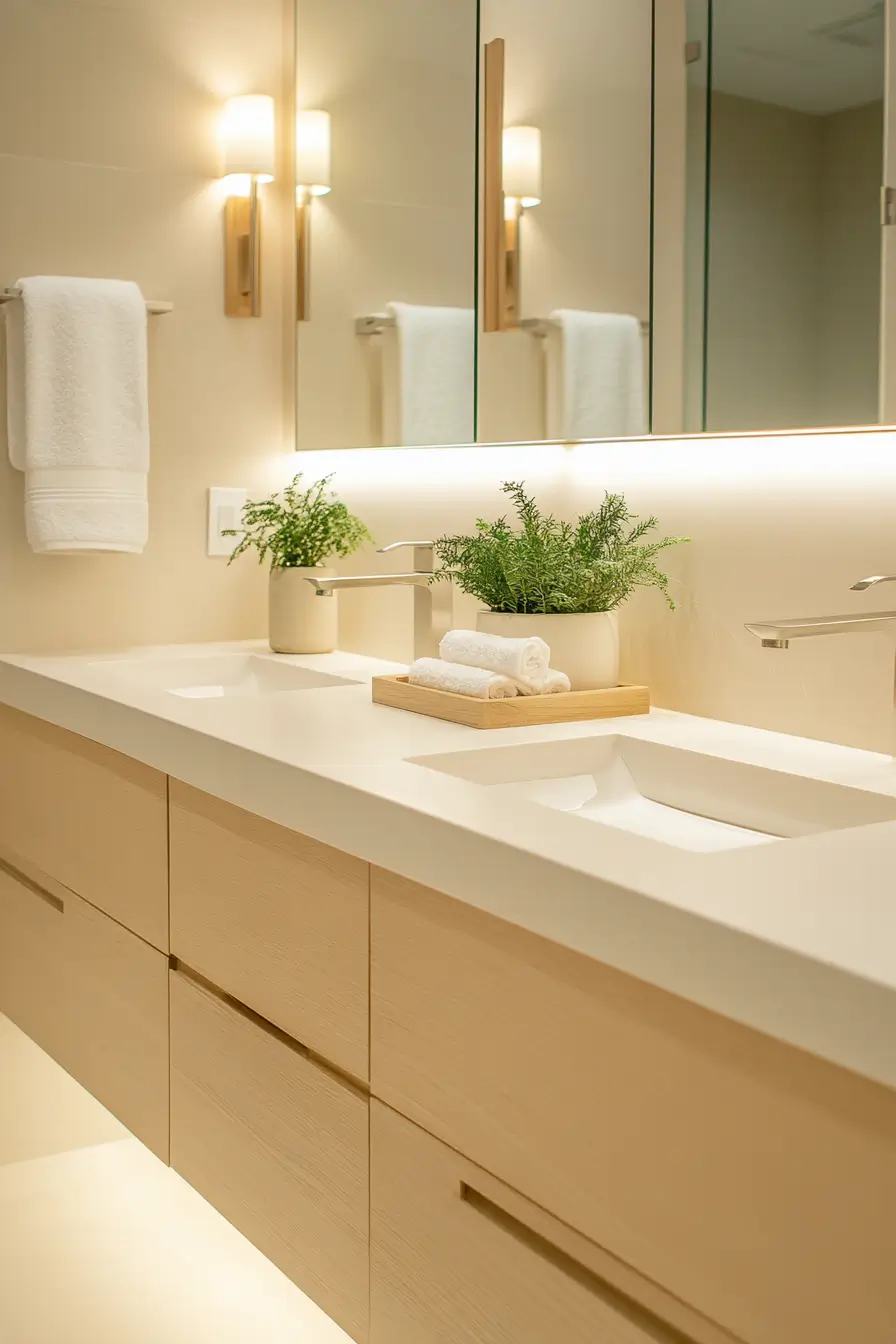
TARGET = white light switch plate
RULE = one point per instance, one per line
(225, 507)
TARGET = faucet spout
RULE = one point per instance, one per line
(778, 634)
(864, 584)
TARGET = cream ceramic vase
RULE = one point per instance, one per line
(299, 621)
(584, 646)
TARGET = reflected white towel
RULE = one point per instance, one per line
(428, 375)
(473, 681)
(523, 660)
(78, 412)
(596, 385)
(551, 682)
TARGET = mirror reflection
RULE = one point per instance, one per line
(588, 219)
(794, 131)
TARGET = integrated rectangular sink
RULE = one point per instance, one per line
(215, 675)
(682, 798)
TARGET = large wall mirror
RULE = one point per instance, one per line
(589, 218)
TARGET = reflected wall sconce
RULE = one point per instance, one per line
(511, 184)
(521, 181)
(248, 142)
(312, 179)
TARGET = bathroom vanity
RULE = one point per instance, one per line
(435, 1045)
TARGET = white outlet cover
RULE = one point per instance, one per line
(225, 507)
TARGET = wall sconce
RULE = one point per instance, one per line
(521, 173)
(312, 179)
(247, 133)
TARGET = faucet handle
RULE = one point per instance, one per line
(424, 554)
(863, 584)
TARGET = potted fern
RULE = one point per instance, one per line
(297, 533)
(560, 581)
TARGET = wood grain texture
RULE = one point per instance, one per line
(457, 1256)
(524, 711)
(91, 994)
(277, 920)
(277, 1144)
(754, 1182)
(91, 818)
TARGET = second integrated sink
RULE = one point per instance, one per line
(682, 798)
(212, 676)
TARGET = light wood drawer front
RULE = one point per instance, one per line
(752, 1181)
(91, 994)
(457, 1256)
(277, 1144)
(90, 818)
(278, 921)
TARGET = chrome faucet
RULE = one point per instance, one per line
(433, 600)
(778, 634)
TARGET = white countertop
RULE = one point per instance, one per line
(796, 938)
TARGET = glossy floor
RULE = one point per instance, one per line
(100, 1243)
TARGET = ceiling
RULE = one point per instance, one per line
(816, 56)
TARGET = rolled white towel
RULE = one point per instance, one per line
(476, 682)
(524, 660)
(551, 683)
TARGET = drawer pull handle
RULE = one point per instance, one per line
(55, 902)
(653, 1326)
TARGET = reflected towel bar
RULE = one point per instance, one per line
(540, 326)
(376, 323)
(153, 306)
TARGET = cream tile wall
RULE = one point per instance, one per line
(108, 167)
(781, 527)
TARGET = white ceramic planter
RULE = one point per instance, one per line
(299, 621)
(585, 647)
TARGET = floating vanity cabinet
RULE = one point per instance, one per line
(91, 994)
(90, 818)
(276, 920)
(749, 1180)
(276, 1142)
(456, 1256)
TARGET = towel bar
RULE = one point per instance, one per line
(374, 324)
(153, 306)
(540, 326)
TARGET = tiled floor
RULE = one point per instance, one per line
(103, 1244)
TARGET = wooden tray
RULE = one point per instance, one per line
(524, 711)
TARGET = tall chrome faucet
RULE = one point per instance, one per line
(433, 600)
(778, 634)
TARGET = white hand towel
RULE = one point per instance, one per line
(77, 409)
(551, 682)
(596, 385)
(476, 682)
(525, 661)
(428, 376)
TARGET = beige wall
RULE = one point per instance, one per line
(398, 78)
(765, 262)
(781, 527)
(108, 162)
(581, 71)
(849, 354)
(794, 281)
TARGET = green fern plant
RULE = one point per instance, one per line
(545, 566)
(301, 529)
